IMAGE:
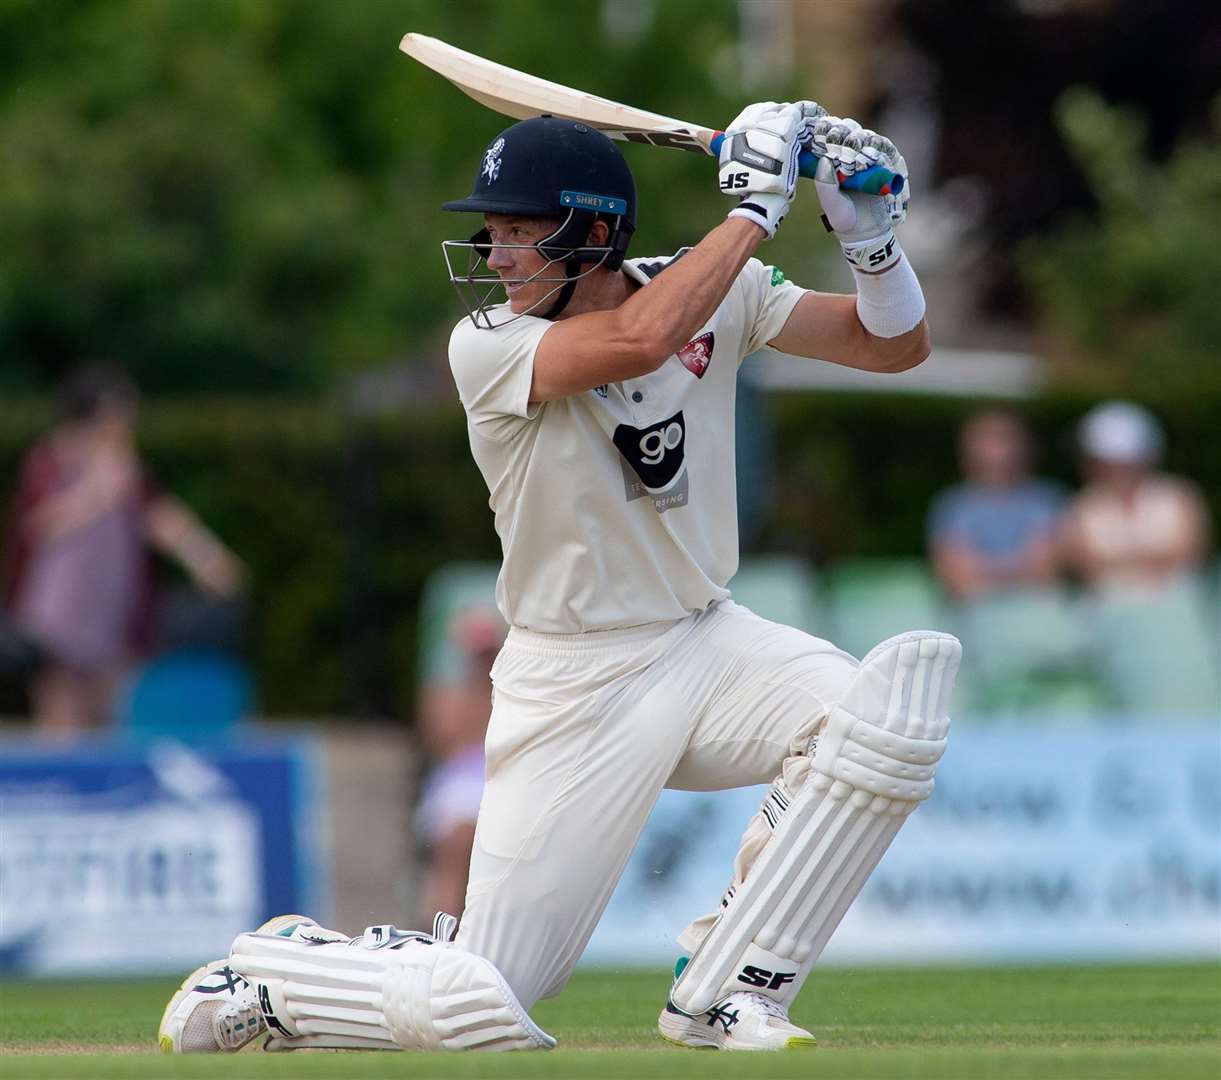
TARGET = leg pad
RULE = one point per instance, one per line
(416, 996)
(873, 765)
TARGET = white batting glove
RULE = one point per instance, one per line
(811, 113)
(759, 162)
(863, 224)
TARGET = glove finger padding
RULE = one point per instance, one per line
(811, 112)
(827, 134)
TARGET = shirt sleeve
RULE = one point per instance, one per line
(493, 370)
(944, 518)
(1051, 503)
(770, 300)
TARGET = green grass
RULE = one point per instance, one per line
(992, 1024)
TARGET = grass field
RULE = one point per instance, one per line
(974, 1024)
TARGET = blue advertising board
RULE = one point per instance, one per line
(124, 858)
(1088, 842)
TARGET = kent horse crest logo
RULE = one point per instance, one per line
(696, 355)
(491, 160)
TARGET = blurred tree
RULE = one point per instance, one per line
(1135, 281)
(997, 67)
(243, 194)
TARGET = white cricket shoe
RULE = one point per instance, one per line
(215, 1010)
(743, 1021)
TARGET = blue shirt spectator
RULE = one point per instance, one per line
(997, 530)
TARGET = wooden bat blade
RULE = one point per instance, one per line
(521, 96)
(517, 94)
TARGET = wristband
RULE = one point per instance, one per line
(892, 303)
(766, 210)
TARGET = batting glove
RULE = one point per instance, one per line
(759, 162)
(863, 224)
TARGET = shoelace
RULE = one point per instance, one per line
(768, 1006)
(237, 1025)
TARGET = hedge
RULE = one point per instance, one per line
(342, 519)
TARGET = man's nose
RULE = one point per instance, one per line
(499, 258)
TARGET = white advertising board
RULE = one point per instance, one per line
(1040, 844)
(119, 859)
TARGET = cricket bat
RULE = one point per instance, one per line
(521, 96)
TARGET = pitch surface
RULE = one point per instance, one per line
(1070, 1022)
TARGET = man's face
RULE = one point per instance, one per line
(994, 450)
(516, 263)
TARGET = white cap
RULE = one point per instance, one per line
(1122, 433)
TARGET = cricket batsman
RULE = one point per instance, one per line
(599, 398)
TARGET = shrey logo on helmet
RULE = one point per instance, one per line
(558, 171)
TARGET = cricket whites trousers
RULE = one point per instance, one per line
(586, 731)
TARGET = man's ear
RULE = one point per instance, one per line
(599, 235)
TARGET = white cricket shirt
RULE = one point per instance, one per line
(616, 506)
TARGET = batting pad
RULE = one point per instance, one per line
(873, 766)
(417, 996)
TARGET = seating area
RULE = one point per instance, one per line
(1048, 654)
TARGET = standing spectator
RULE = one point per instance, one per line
(87, 517)
(453, 722)
(1132, 528)
(1138, 538)
(997, 529)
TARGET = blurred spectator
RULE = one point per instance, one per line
(1132, 528)
(997, 529)
(453, 723)
(87, 517)
(1138, 538)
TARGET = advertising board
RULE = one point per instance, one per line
(1093, 842)
(119, 858)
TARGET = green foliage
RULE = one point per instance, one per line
(855, 472)
(1135, 282)
(243, 195)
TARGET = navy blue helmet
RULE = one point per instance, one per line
(553, 168)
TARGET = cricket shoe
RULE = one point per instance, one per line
(215, 1010)
(743, 1021)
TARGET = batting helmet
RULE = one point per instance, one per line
(553, 168)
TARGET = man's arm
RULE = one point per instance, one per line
(597, 347)
(965, 575)
(175, 531)
(827, 327)
(882, 328)
(759, 164)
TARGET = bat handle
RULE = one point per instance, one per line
(873, 181)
